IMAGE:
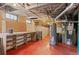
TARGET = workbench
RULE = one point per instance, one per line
(14, 40)
(17, 39)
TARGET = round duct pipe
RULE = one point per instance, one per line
(68, 8)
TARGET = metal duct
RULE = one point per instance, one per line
(68, 8)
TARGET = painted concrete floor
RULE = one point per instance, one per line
(42, 47)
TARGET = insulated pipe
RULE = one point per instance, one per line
(68, 8)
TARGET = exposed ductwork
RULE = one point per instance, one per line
(68, 8)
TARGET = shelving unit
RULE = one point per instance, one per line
(16, 40)
(11, 40)
(39, 35)
(20, 39)
(28, 37)
(33, 36)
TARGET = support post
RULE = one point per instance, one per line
(53, 34)
(78, 35)
(4, 35)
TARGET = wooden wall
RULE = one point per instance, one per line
(22, 24)
(8, 24)
(1, 17)
(17, 25)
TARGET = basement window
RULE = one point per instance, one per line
(11, 16)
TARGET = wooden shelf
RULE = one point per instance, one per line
(20, 43)
(10, 47)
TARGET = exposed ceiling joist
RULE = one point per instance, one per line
(28, 9)
(57, 8)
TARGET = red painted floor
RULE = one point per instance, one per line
(42, 47)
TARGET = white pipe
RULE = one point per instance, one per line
(69, 7)
(69, 21)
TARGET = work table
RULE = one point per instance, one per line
(14, 33)
(16, 39)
